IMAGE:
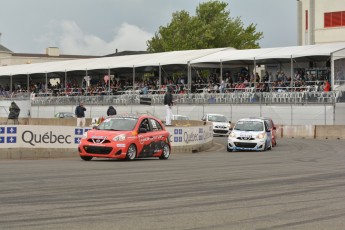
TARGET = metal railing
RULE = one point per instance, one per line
(200, 98)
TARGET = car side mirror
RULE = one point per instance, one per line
(94, 127)
(142, 130)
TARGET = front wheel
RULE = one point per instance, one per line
(228, 149)
(86, 158)
(131, 152)
(166, 152)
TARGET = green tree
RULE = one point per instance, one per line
(211, 27)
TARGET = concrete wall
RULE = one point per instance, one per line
(25, 141)
(312, 131)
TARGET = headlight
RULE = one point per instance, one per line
(232, 134)
(84, 136)
(261, 136)
(121, 137)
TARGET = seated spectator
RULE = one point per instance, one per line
(326, 86)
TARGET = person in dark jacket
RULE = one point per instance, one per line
(80, 113)
(168, 103)
(14, 111)
(111, 111)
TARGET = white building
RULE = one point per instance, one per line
(321, 21)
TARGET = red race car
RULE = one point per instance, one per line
(126, 137)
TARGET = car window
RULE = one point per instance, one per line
(118, 124)
(269, 123)
(145, 125)
(155, 125)
(249, 126)
(217, 118)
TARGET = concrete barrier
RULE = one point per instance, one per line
(297, 131)
(312, 131)
(330, 131)
(30, 141)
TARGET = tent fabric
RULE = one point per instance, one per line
(203, 56)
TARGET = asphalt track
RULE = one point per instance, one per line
(300, 184)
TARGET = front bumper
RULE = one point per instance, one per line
(118, 150)
(221, 132)
(246, 145)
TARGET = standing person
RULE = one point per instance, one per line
(168, 102)
(80, 113)
(111, 111)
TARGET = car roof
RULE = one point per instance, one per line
(179, 115)
(134, 116)
(215, 114)
(251, 119)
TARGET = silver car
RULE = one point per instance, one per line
(221, 125)
(250, 134)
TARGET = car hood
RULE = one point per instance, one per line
(240, 133)
(220, 123)
(102, 134)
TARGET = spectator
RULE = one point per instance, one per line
(80, 113)
(326, 86)
(168, 103)
(111, 111)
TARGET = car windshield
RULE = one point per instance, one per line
(118, 124)
(217, 118)
(249, 126)
(177, 117)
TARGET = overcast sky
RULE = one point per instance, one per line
(90, 27)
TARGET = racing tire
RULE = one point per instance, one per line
(131, 152)
(86, 158)
(165, 152)
(228, 149)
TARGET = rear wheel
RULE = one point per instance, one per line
(86, 158)
(131, 152)
(166, 152)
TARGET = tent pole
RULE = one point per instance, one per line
(254, 72)
(291, 83)
(86, 84)
(109, 79)
(66, 82)
(332, 71)
(46, 82)
(160, 76)
(133, 77)
(28, 83)
(189, 77)
(11, 83)
(221, 71)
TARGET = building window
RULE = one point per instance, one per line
(306, 20)
(334, 19)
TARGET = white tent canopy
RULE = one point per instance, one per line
(128, 61)
(189, 58)
(217, 55)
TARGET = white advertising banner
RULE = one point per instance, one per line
(184, 136)
(36, 136)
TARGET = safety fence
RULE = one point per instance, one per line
(200, 98)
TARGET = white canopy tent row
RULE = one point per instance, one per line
(334, 53)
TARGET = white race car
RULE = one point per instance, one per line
(250, 134)
(221, 125)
